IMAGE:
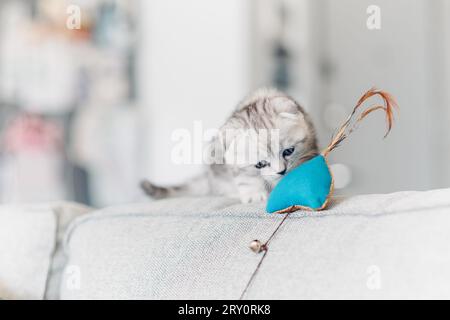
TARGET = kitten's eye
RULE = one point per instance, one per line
(261, 164)
(288, 152)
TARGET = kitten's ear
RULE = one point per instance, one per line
(286, 108)
(292, 116)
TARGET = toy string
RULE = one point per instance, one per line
(351, 124)
(264, 249)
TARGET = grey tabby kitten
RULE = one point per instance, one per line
(285, 138)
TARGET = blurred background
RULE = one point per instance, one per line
(92, 90)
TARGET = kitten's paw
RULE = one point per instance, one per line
(254, 197)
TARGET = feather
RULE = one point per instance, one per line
(348, 126)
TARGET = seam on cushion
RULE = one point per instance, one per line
(255, 215)
(325, 214)
(205, 215)
(217, 212)
(113, 209)
(57, 209)
(103, 214)
(53, 253)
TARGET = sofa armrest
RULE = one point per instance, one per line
(30, 254)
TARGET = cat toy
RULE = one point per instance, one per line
(310, 185)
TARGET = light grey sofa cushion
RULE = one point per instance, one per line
(368, 247)
(170, 249)
(375, 246)
(28, 245)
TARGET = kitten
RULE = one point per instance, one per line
(267, 135)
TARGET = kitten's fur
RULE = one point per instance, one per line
(264, 109)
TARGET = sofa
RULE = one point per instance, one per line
(384, 246)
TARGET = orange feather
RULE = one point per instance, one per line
(347, 128)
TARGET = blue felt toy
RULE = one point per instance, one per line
(310, 185)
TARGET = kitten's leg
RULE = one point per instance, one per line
(251, 189)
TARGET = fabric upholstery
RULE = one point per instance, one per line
(373, 246)
(170, 249)
(368, 247)
(28, 245)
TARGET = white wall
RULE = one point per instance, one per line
(197, 59)
(193, 65)
(295, 35)
(399, 58)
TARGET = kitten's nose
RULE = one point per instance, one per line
(282, 173)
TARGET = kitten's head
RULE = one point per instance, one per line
(269, 134)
